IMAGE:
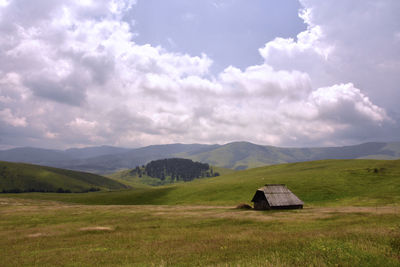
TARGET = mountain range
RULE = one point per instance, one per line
(236, 155)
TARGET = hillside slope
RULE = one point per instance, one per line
(244, 155)
(33, 155)
(21, 177)
(326, 182)
(46, 156)
(131, 158)
(138, 177)
(241, 155)
(236, 155)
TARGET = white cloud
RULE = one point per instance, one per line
(83, 125)
(345, 103)
(4, 3)
(74, 73)
(8, 117)
(346, 41)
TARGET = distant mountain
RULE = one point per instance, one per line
(22, 177)
(243, 155)
(56, 157)
(90, 152)
(33, 155)
(133, 158)
(237, 155)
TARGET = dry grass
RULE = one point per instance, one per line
(97, 228)
(50, 233)
(37, 235)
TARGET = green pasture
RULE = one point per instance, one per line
(351, 217)
(29, 177)
(321, 183)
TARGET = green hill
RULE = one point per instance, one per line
(241, 155)
(21, 177)
(244, 155)
(326, 182)
(132, 179)
(168, 171)
(236, 155)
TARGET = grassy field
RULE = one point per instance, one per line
(133, 180)
(41, 233)
(29, 177)
(351, 218)
(322, 183)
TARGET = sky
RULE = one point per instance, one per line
(294, 73)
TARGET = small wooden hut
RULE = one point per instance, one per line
(276, 196)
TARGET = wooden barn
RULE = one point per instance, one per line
(276, 196)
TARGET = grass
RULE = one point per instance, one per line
(29, 177)
(133, 180)
(351, 218)
(319, 183)
(241, 155)
(42, 233)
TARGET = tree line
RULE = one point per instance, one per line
(175, 169)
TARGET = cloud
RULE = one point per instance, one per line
(346, 41)
(344, 103)
(71, 74)
(9, 118)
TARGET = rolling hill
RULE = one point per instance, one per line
(326, 182)
(138, 177)
(236, 155)
(21, 177)
(50, 157)
(244, 155)
(132, 158)
(99, 159)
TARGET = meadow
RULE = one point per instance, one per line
(322, 183)
(43, 233)
(23, 177)
(351, 218)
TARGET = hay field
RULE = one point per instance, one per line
(48, 233)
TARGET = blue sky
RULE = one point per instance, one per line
(129, 73)
(229, 32)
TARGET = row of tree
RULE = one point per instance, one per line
(58, 190)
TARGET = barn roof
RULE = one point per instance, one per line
(279, 195)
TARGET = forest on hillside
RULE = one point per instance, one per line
(175, 169)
